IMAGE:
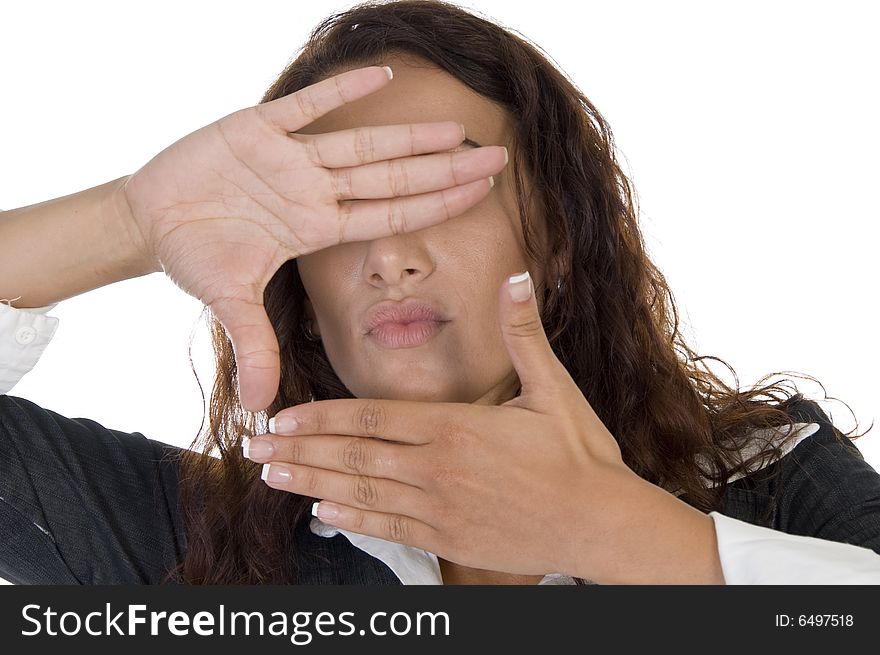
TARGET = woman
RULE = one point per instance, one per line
(538, 429)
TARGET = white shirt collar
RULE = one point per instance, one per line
(415, 566)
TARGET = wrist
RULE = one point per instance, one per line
(646, 536)
(136, 256)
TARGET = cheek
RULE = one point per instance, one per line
(322, 263)
(479, 331)
(327, 278)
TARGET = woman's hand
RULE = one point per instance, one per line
(533, 486)
(224, 207)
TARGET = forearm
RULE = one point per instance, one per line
(66, 246)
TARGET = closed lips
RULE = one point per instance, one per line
(409, 312)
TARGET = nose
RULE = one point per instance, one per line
(397, 261)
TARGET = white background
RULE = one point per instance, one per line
(750, 131)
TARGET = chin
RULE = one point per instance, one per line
(419, 395)
(414, 392)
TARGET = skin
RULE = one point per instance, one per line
(459, 264)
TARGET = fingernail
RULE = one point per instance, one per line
(325, 511)
(388, 72)
(463, 133)
(491, 181)
(506, 156)
(520, 286)
(260, 449)
(283, 424)
(275, 473)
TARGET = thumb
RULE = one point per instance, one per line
(256, 350)
(540, 372)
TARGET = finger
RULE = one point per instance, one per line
(404, 421)
(256, 349)
(390, 527)
(364, 145)
(296, 110)
(374, 457)
(361, 491)
(414, 175)
(365, 220)
(542, 375)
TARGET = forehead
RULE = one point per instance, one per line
(420, 92)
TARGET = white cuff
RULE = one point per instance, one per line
(24, 335)
(752, 554)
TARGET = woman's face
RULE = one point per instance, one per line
(458, 265)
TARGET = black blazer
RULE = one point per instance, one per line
(82, 504)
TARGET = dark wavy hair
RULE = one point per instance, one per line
(613, 324)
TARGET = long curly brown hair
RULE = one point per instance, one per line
(613, 324)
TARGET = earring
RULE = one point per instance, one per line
(558, 285)
(309, 334)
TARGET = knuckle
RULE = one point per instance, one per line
(343, 214)
(340, 90)
(412, 140)
(392, 222)
(354, 455)
(372, 144)
(306, 104)
(342, 183)
(447, 213)
(398, 178)
(363, 145)
(311, 482)
(371, 418)
(403, 221)
(530, 328)
(318, 421)
(359, 520)
(397, 528)
(365, 491)
(452, 171)
(402, 217)
(295, 450)
(313, 153)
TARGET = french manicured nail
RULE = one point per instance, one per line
(491, 181)
(389, 72)
(520, 286)
(283, 424)
(506, 156)
(275, 473)
(325, 511)
(260, 449)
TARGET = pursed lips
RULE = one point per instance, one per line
(404, 324)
